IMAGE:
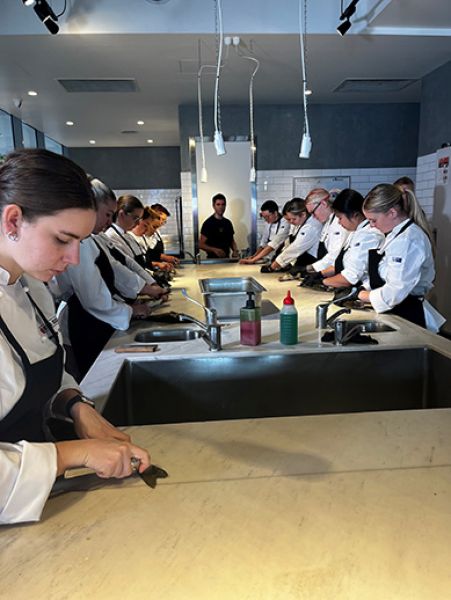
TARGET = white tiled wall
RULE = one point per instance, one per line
(425, 182)
(168, 199)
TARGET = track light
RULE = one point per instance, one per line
(47, 16)
(346, 16)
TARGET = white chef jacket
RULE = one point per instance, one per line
(407, 268)
(27, 470)
(355, 260)
(274, 234)
(334, 236)
(281, 235)
(307, 240)
(129, 249)
(92, 291)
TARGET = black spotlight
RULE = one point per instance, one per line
(47, 16)
(346, 16)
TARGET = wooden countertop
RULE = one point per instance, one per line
(339, 507)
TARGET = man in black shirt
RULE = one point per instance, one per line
(216, 234)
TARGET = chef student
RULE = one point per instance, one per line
(351, 265)
(303, 240)
(401, 270)
(144, 228)
(128, 213)
(99, 292)
(159, 244)
(46, 209)
(276, 229)
(333, 235)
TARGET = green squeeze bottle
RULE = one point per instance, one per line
(288, 321)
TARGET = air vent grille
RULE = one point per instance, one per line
(129, 131)
(99, 85)
(373, 85)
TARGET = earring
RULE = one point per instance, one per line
(12, 236)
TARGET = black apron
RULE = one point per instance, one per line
(322, 248)
(159, 247)
(88, 334)
(339, 261)
(280, 248)
(305, 258)
(411, 308)
(152, 254)
(26, 420)
(140, 258)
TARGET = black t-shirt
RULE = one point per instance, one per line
(219, 234)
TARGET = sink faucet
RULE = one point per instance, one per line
(211, 328)
(322, 321)
(194, 258)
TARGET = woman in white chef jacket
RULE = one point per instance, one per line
(401, 270)
(129, 211)
(333, 235)
(303, 241)
(351, 264)
(46, 208)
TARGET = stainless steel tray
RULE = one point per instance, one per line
(228, 294)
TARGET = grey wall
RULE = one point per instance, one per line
(132, 168)
(344, 135)
(435, 119)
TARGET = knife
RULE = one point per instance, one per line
(149, 476)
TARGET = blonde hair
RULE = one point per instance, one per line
(317, 195)
(385, 196)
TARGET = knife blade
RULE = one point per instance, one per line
(149, 476)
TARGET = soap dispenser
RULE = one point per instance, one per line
(288, 321)
(250, 323)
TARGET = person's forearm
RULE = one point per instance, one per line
(336, 281)
(206, 248)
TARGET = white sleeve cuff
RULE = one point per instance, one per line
(30, 469)
(378, 302)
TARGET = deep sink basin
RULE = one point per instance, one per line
(235, 387)
(368, 326)
(168, 335)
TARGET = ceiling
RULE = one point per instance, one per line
(397, 42)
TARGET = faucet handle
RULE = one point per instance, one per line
(210, 313)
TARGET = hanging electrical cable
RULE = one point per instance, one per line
(306, 143)
(218, 138)
(251, 111)
(203, 173)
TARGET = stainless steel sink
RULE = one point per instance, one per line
(228, 294)
(234, 387)
(168, 335)
(367, 326)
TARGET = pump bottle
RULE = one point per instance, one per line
(250, 323)
(288, 321)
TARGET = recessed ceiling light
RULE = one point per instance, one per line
(32, 93)
(69, 123)
(92, 141)
(150, 141)
(308, 92)
(140, 122)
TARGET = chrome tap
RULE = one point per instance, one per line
(211, 328)
(322, 321)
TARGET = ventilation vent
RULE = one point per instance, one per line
(129, 131)
(99, 85)
(373, 85)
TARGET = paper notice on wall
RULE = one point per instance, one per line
(442, 170)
